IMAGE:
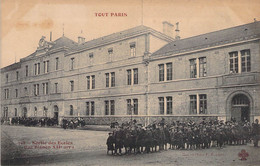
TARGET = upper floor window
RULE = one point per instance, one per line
(57, 63)
(110, 54)
(91, 82)
(203, 67)
(240, 61)
(198, 67)
(91, 56)
(26, 71)
(6, 93)
(132, 76)
(165, 72)
(17, 75)
(45, 87)
(71, 86)
(110, 79)
(45, 66)
(233, 62)
(6, 78)
(132, 50)
(193, 68)
(56, 87)
(37, 69)
(72, 63)
(36, 89)
(245, 61)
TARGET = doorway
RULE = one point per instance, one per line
(240, 108)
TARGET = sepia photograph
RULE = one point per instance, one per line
(130, 82)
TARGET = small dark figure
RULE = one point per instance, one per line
(110, 143)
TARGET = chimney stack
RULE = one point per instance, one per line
(168, 29)
(81, 39)
(177, 37)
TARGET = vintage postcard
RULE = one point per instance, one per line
(133, 82)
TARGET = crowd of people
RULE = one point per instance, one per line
(135, 138)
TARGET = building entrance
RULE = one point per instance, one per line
(240, 108)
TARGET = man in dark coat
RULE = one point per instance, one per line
(255, 132)
(110, 143)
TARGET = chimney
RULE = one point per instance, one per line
(81, 39)
(168, 29)
(177, 31)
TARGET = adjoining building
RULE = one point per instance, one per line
(139, 73)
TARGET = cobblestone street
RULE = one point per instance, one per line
(56, 146)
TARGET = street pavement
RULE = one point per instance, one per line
(55, 146)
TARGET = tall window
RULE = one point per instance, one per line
(45, 88)
(36, 89)
(6, 78)
(106, 107)
(169, 71)
(5, 112)
(161, 72)
(113, 79)
(112, 107)
(107, 79)
(71, 86)
(161, 105)
(37, 69)
(129, 77)
(110, 54)
(92, 108)
(57, 63)
(72, 63)
(129, 109)
(93, 81)
(233, 62)
(203, 104)
(87, 108)
(193, 68)
(135, 76)
(71, 109)
(169, 105)
(56, 87)
(46, 66)
(6, 93)
(193, 104)
(16, 93)
(135, 106)
(17, 75)
(15, 112)
(132, 50)
(203, 67)
(26, 71)
(245, 61)
(88, 82)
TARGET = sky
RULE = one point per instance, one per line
(24, 22)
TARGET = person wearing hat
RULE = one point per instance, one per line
(255, 133)
(110, 143)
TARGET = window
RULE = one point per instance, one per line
(36, 89)
(132, 50)
(245, 61)
(91, 82)
(25, 91)
(72, 63)
(6, 93)
(110, 54)
(169, 71)
(87, 108)
(202, 67)
(71, 86)
(135, 76)
(106, 107)
(112, 107)
(135, 106)
(107, 79)
(129, 106)
(6, 78)
(169, 105)
(15, 112)
(37, 69)
(46, 66)
(17, 75)
(16, 93)
(26, 71)
(193, 68)
(91, 55)
(56, 87)
(113, 79)
(161, 105)
(110, 79)
(161, 72)
(45, 88)
(233, 62)
(57, 63)
(132, 76)
(203, 104)
(92, 108)
(71, 109)
(193, 104)
(5, 112)
(35, 111)
(129, 77)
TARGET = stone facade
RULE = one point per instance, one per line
(91, 80)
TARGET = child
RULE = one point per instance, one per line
(110, 143)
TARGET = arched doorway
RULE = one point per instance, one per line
(240, 108)
(24, 112)
(56, 113)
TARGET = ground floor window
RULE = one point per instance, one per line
(198, 104)
(132, 106)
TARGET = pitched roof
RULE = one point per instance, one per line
(63, 42)
(117, 36)
(225, 36)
